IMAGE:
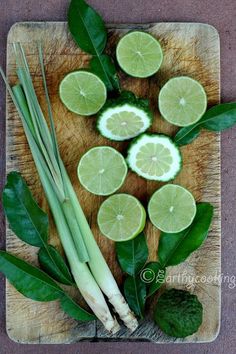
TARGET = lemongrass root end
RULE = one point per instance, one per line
(115, 327)
(122, 308)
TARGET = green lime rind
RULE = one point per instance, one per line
(136, 140)
(130, 211)
(129, 69)
(82, 92)
(102, 170)
(126, 99)
(172, 208)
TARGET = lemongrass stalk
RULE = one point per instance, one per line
(75, 229)
(23, 65)
(41, 137)
(84, 280)
(25, 117)
(46, 145)
(98, 265)
(72, 222)
(52, 126)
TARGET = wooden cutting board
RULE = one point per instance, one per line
(190, 49)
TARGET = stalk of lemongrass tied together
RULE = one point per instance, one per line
(74, 231)
(81, 273)
(41, 136)
(102, 273)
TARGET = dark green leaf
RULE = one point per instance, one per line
(129, 96)
(74, 310)
(217, 118)
(25, 218)
(220, 117)
(89, 32)
(37, 285)
(186, 135)
(175, 248)
(104, 67)
(28, 280)
(87, 27)
(54, 264)
(132, 255)
(135, 294)
(153, 275)
(30, 224)
(145, 103)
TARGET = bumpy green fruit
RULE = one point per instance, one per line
(178, 313)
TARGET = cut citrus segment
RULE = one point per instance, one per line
(182, 101)
(172, 208)
(154, 157)
(102, 170)
(83, 92)
(124, 122)
(139, 54)
(121, 217)
(124, 118)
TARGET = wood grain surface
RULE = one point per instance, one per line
(190, 49)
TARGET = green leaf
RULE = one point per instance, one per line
(135, 294)
(175, 248)
(74, 310)
(30, 224)
(153, 275)
(25, 218)
(54, 264)
(87, 27)
(28, 280)
(89, 32)
(186, 135)
(217, 118)
(104, 67)
(132, 255)
(37, 285)
(130, 96)
(220, 117)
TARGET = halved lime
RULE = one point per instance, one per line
(83, 92)
(154, 157)
(121, 217)
(139, 54)
(172, 208)
(102, 170)
(182, 101)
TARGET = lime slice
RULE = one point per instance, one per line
(124, 121)
(182, 101)
(83, 92)
(154, 157)
(121, 217)
(102, 170)
(172, 208)
(139, 54)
